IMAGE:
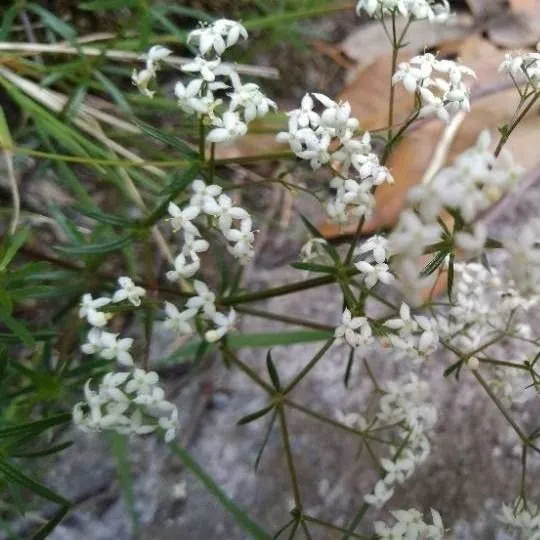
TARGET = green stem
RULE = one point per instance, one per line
(506, 135)
(289, 457)
(322, 351)
(284, 318)
(334, 527)
(252, 374)
(256, 158)
(202, 139)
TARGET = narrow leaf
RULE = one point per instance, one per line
(272, 371)
(169, 140)
(91, 249)
(266, 439)
(254, 416)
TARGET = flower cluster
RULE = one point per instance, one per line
(203, 306)
(246, 101)
(403, 405)
(141, 79)
(376, 270)
(526, 65)
(410, 524)
(423, 76)
(417, 336)
(322, 138)
(107, 345)
(233, 222)
(468, 187)
(434, 10)
(130, 403)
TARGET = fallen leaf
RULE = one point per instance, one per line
(369, 42)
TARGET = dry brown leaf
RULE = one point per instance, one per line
(411, 158)
(369, 42)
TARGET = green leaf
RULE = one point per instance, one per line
(314, 267)
(114, 91)
(254, 530)
(104, 5)
(7, 20)
(102, 217)
(35, 427)
(434, 263)
(169, 140)
(263, 339)
(37, 336)
(254, 416)
(15, 242)
(450, 280)
(266, 438)
(16, 327)
(93, 249)
(45, 530)
(348, 369)
(53, 22)
(272, 371)
(16, 475)
(46, 452)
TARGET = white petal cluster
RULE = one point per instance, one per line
(328, 136)
(141, 79)
(525, 66)
(131, 403)
(438, 83)
(434, 10)
(233, 222)
(521, 518)
(201, 305)
(468, 187)
(198, 96)
(403, 405)
(417, 336)
(89, 309)
(355, 331)
(107, 345)
(410, 524)
(128, 291)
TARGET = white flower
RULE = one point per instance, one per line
(128, 291)
(411, 236)
(112, 347)
(304, 116)
(181, 219)
(156, 54)
(434, 10)
(224, 324)
(374, 273)
(378, 245)
(250, 98)
(218, 36)
(204, 301)
(207, 68)
(355, 330)
(193, 245)
(89, 310)
(141, 79)
(228, 213)
(242, 239)
(178, 321)
(170, 425)
(380, 496)
(204, 197)
(185, 266)
(93, 342)
(227, 129)
(472, 243)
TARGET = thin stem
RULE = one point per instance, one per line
(246, 369)
(202, 139)
(289, 457)
(335, 423)
(395, 51)
(311, 364)
(503, 410)
(508, 131)
(283, 318)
